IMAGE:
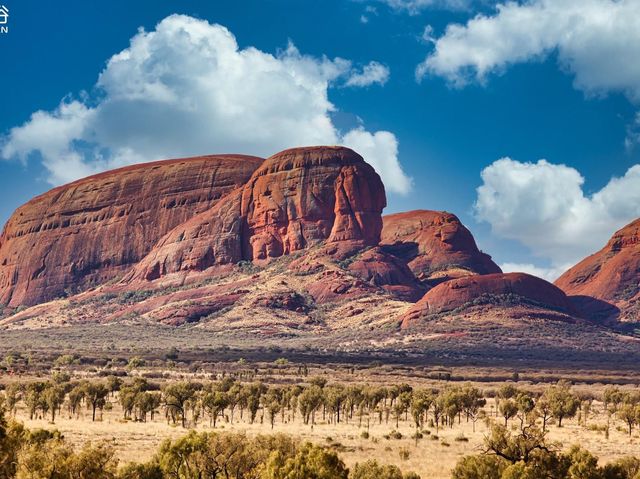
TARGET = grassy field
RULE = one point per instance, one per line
(433, 456)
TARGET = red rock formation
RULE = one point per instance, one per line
(607, 283)
(382, 269)
(489, 289)
(435, 244)
(94, 229)
(296, 199)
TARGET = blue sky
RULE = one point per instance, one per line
(518, 83)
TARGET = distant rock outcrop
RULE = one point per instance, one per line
(492, 289)
(435, 244)
(606, 285)
(93, 230)
(298, 198)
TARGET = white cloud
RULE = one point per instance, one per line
(543, 206)
(413, 7)
(550, 274)
(381, 150)
(427, 35)
(633, 134)
(186, 88)
(371, 74)
(597, 40)
(368, 10)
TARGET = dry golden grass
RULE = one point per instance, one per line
(429, 457)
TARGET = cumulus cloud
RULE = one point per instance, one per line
(186, 88)
(371, 74)
(380, 148)
(597, 40)
(543, 206)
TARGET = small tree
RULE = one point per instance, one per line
(215, 402)
(629, 414)
(176, 396)
(33, 398)
(96, 395)
(53, 396)
(309, 401)
(114, 383)
(135, 363)
(472, 403)
(525, 405)
(273, 403)
(146, 403)
(612, 397)
(75, 398)
(508, 409)
(561, 401)
(13, 394)
(543, 409)
(310, 462)
(335, 397)
(141, 471)
(438, 409)
(372, 470)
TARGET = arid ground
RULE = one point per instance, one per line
(432, 456)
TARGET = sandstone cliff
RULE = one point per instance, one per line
(435, 244)
(92, 231)
(606, 285)
(298, 198)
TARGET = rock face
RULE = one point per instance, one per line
(379, 268)
(606, 285)
(93, 230)
(490, 289)
(296, 199)
(435, 244)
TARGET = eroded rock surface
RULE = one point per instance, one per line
(298, 198)
(93, 230)
(606, 285)
(436, 245)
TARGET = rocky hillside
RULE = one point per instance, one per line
(436, 246)
(297, 199)
(494, 291)
(93, 230)
(292, 248)
(606, 285)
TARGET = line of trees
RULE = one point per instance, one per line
(521, 451)
(190, 402)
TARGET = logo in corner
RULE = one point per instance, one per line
(4, 19)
